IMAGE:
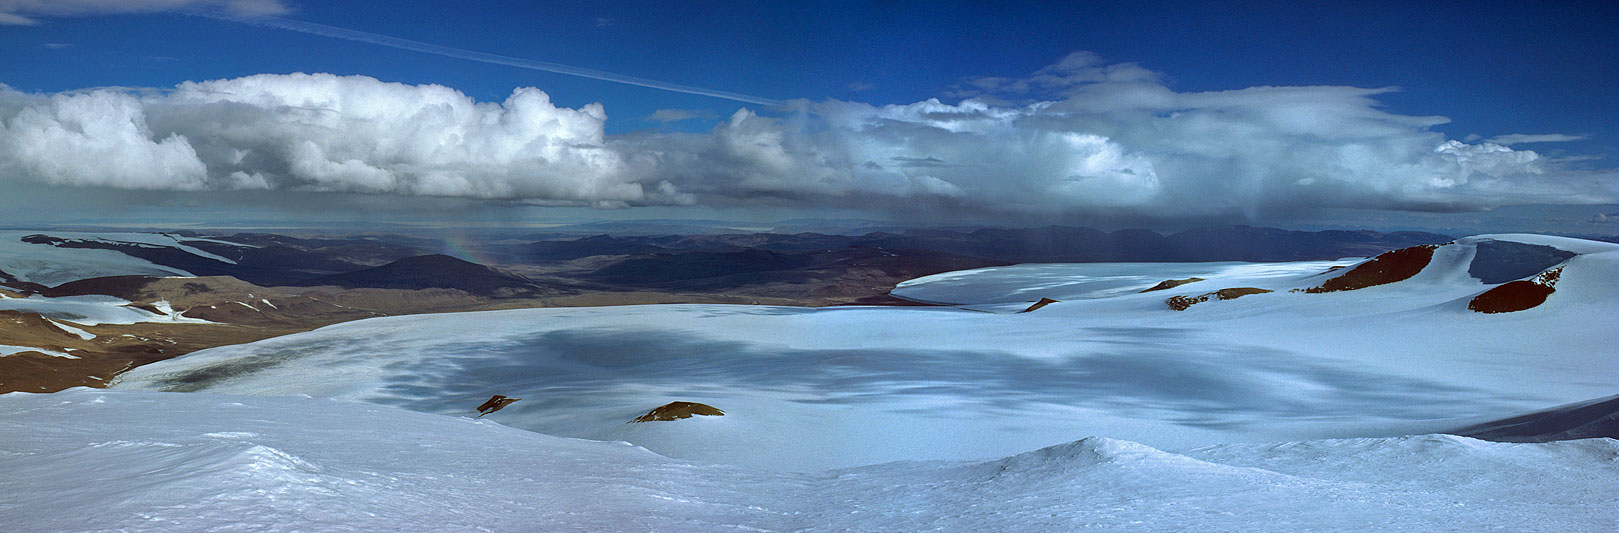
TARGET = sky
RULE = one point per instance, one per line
(1140, 114)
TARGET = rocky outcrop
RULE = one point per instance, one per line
(678, 410)
(1181, 303)
(495, 403)
(1042, 303)
(1517, 295)
(1171, 283)
(1388, 267)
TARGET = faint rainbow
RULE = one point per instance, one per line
(459, 245)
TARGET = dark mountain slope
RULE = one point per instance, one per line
(434, 272)
(270, 260)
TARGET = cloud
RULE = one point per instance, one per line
(1520, 138)
(1084, 139)
(679, 115)
(317, 132)
(22, 12)
(99, 138)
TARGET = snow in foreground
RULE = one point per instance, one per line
(91, 460)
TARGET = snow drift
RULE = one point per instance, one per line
(146, 461)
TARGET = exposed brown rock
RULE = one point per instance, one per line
(116, 347)
(678, 410)
(1042, 303)
(1517, 295)
(495, 403)
(1170, 284)
(1389, 267)
(1181, 303)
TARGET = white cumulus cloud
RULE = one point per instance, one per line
(318, 132)
(1080, 137)
(97, 138)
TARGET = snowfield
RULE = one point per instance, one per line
(94, 310)
(1107, 411)
(810, 389)
(1021, 284)
(92, 460)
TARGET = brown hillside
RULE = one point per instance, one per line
(1517, 295)
(1389, 267)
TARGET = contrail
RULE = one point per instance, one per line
(426, 48)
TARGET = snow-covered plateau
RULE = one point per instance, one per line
(1287, 408)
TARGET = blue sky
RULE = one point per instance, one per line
(1511, 75)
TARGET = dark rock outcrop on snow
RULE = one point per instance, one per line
(678, 410)
(1170, 284)
(1037, 305)
(1517, 295)
(1182, 303)
(1388, 267)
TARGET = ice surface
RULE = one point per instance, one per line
(93, 310)
(808, 389)
(152, 240)
(6, 349)
(94, 460)
(51, 266)
(82, 334)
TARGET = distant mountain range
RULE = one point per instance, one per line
(1022, 245)
(795, 265)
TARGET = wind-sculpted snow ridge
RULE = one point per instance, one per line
(93, 460)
